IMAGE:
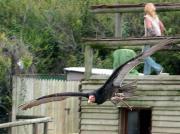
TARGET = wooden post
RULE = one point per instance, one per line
(118, 25)
(14, 105)
(45, 128)
(35, 128)
(88, 61)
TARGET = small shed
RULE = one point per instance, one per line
(155, 111)
(77, 73)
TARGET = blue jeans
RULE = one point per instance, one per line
(150, 64)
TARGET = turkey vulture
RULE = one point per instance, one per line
(107, 91)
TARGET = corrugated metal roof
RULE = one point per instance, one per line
(94, 70)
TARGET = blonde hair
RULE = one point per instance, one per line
(150, 9)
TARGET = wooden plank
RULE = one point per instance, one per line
(98, 107)
(36, 94)
(99, 110)
(98, 132)
(159, 87)
(73, 105)
(99, 127)
(98, 116)
(154, 103)
(152, 86)
(49, 106)
(99, 122)
(166, 108)
(166, 118)
(167, 113)
(99, 78)
(168, 124)
(60, 110)
(155, 98)
(165, 130)
(158, 93)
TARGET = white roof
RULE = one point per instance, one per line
(94, 70)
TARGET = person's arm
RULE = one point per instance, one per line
(161, 25)
(149, 27)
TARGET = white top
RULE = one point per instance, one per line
(155, 25)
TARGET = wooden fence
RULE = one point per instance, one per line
(65, 114)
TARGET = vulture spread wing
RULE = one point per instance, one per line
(107, 90)
(51, 98)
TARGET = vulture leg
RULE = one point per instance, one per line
(119, 97)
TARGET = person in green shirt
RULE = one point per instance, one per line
(120, 56)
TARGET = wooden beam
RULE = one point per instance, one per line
(122, 42)
(126, 8)
(88, 61)
(14, 104)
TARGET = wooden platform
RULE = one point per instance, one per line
(115, 43)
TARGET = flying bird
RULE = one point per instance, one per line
(108, 91)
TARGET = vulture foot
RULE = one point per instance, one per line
(119, 97)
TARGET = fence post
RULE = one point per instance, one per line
(35, 128)
(45, 128)
(88, 61)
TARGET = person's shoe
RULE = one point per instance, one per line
(160, 72)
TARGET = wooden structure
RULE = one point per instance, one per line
(158, 99)
(33, 122)
(118, 41)
(156, 110)
(65, 114)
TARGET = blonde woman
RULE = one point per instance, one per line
(153, 27)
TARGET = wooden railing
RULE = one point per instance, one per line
(126, 8)
(33, 122)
